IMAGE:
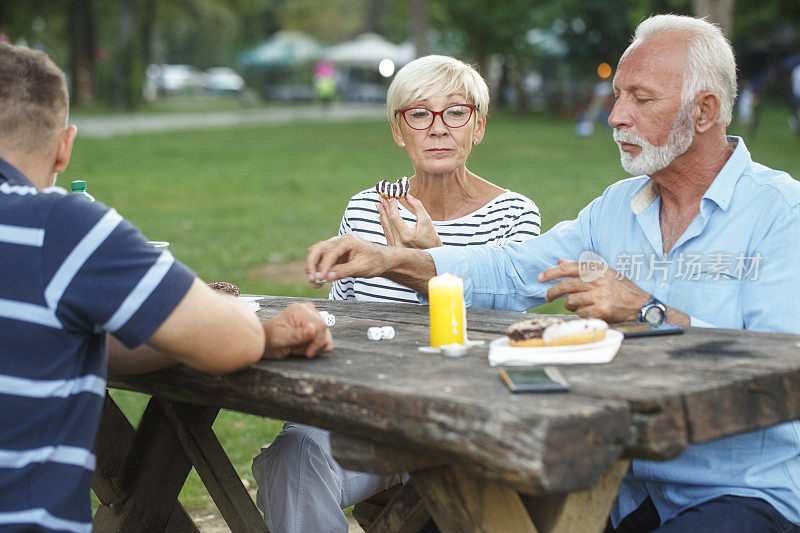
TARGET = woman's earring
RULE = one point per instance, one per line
(474, 141)
(402, 144)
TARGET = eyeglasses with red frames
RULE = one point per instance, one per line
(421, 118)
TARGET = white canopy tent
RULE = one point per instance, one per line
(283, 49)
(368, 50)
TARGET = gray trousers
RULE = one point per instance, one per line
(301, 487)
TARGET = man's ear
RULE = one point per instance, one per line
(64, 151)
(706, 108)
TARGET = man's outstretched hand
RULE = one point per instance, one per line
(342, 257)
(348, 256)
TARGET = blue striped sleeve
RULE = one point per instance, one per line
(112, 280)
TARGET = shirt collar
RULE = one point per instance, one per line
(721, 189)
(10, 174)
(645, 196)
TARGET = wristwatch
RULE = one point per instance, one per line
(653, 313)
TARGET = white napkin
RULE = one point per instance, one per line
(251, 301)
(502, 353)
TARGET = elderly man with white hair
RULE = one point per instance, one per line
(701, 236)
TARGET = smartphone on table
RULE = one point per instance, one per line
(540, 379)
(643, 330)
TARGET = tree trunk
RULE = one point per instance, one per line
(519, 85)
(148, 21)
(81, 42)
(420, 27)
(126, 83)
(375, 10)
(500, 94)
(718, 11)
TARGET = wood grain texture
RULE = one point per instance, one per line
(405, 512)
(585, 511)
(114, 438)
(354, 453)
(458, 503)
(149, 480)
(193, 429)
(656, 397)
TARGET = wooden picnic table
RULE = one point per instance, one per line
(480, 458)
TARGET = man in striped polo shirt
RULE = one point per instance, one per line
(78, 282)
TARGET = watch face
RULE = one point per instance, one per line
(654, 315)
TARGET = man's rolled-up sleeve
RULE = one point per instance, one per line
(505, 277)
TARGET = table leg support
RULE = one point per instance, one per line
(139, 474)
(405, 513)
(459, 502)
(585, 511)
(219, 476)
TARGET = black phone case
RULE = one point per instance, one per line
(671, 329)
(547, 386)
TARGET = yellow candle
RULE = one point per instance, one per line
(448, 317)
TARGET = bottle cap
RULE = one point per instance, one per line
(77, 185)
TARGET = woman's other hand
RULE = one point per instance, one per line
(422, 236)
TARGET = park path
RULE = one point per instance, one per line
(125, 124)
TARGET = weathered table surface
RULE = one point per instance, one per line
(453, 423)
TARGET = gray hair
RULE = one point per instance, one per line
(430, 75)
(710, 65)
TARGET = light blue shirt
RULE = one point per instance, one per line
(736, 266)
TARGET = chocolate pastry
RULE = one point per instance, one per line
(225, 287)
(398, 189)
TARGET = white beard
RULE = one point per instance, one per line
(654, 158)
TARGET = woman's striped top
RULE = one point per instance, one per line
(508, 217)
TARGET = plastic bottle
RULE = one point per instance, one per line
(79, 187)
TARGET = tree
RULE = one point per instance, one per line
(488, 28)
(327, 20)
(419, 27)
(717, 11)
(128, 68)
(82, 39)
(375, 12)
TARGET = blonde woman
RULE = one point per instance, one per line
(437, 112)
(437, 108)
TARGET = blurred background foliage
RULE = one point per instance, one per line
(106, 45)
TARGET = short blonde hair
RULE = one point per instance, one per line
(34, 104)
(710, 63)
(431, 75)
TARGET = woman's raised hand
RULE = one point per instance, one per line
(423, 235)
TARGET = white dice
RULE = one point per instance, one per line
(374, 334)
(377, 333)
(329, 319)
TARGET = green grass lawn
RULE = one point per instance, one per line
(231, 200)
